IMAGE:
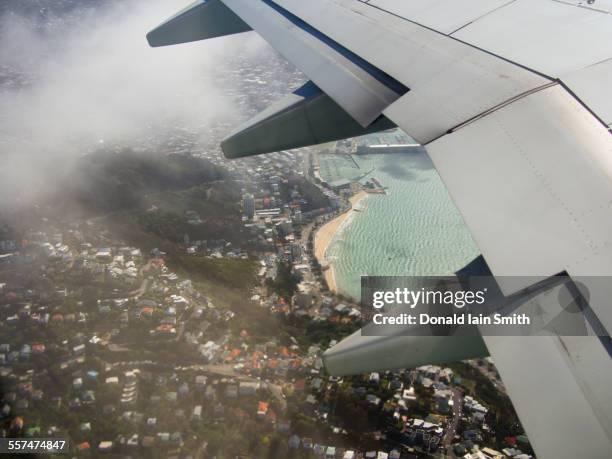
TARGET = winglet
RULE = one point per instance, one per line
(199, 21)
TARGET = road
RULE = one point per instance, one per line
(228, 370)
(451, 429)
(144, 285)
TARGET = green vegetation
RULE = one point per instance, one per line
(111, 181)
(238, 274)
(286, 282)
(312, 195)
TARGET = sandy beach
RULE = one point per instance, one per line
(324, 236)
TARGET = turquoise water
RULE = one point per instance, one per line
(414, 230)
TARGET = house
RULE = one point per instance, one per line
(342, 308)
(475, 455)
(183, 389)
(446, 375)
(231, 391)
(262, 409)
(409, 395)
(78, 350)
(197, 413)
(148, 441)
(218, 411)
(133, 441)
(294, 442)
(104, 255)
(105, 446)
(299, 385)
(210, 393)
(444, 401)
(271, 417)
(248, 388)
(512, 452)
(491, 453)
(26, 350)
(200, 381)
(284, 426)
(349, 455)
(22, 404)
(330, 452)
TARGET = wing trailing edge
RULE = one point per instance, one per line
(199, 21)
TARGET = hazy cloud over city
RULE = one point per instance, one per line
(87, 77)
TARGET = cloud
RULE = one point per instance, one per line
(90, 76)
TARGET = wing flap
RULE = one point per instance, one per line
(533, 183)
(554, 397)
(359, 354)
(306, 117)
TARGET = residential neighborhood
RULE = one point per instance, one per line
(109, 345)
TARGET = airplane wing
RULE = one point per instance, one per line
(513, 101)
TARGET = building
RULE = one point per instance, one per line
(296, 251)
(248, 206)
(262, 410)
(387, 148)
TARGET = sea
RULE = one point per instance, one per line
(413, 230)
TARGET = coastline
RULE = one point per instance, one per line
(324, 237)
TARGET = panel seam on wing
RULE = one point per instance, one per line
(496, 108)
(451, 37)
(480, 17)
(551, 191)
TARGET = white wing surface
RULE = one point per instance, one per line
(513, 100)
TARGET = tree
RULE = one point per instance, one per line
(286, 282)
